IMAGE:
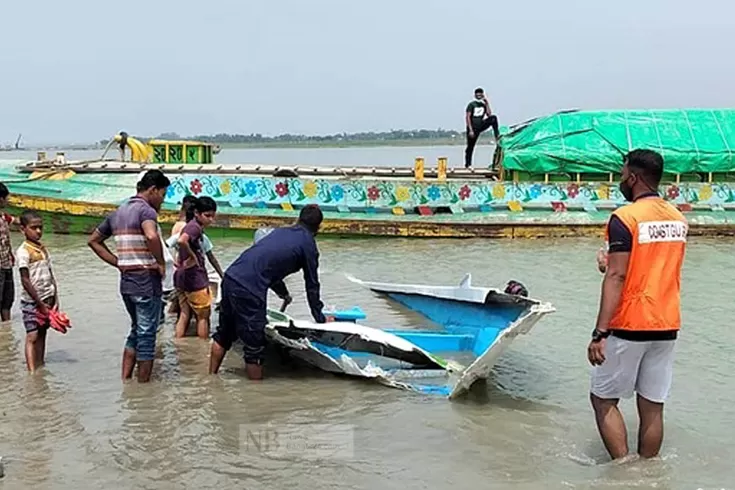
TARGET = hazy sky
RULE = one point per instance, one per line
(81, 70)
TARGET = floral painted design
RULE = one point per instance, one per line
(705, 193)
(233, 192)
(373, 193)
(310, 189)
(403, 194)
(337, 192)
(282, 189)
(251, 188)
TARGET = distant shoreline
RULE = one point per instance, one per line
(278, 145)
(344, 144)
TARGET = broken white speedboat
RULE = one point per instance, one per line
(472, 327)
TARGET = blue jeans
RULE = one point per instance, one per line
(145, 315)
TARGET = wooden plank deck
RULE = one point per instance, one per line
(112, 166)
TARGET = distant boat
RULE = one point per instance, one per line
(15, 147)
(473, 327)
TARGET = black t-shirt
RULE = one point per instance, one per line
(620, 239)
(477, 111)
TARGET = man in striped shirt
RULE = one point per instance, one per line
(142, 268)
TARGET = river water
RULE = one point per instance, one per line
(398, 156)
(75, 425)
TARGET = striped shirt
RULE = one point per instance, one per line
(139, 270)
(35, 258)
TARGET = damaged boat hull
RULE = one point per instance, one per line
(483, 321)
(472, 321)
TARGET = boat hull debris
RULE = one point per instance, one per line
(467, 322)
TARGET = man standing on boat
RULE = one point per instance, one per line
(140, 260)
(632, 347)
(122, 140)
(478, 118)
(245, 286)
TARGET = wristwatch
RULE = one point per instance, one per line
(597, 335)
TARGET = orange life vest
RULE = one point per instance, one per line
(650, 300)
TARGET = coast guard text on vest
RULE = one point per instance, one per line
(662, 231)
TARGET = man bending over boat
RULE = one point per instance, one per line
(245, 286)
(478, 118)
(632, 347)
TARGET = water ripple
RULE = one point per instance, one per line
(76, 425)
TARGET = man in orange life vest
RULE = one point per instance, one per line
(632, 347)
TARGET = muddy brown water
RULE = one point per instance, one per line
(75, 425)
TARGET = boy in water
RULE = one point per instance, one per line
(191, 276)
(7, 261)
(40, 293)
(207, 247)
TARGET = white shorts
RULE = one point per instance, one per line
(642, 367)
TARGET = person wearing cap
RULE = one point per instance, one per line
(632, 346)
(263, 266)
(478, 118)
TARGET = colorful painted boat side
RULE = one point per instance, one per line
(552, 177)
(75, 205)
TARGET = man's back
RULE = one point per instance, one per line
(651, 294)
(279, 254)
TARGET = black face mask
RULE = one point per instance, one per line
(626, 190)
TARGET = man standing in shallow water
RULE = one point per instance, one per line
(632, 347)
(142, 268)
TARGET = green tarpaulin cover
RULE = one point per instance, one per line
(693, 140)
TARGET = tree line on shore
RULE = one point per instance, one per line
(370, 136)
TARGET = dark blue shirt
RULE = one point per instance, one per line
(619, 237)
(279, 254)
